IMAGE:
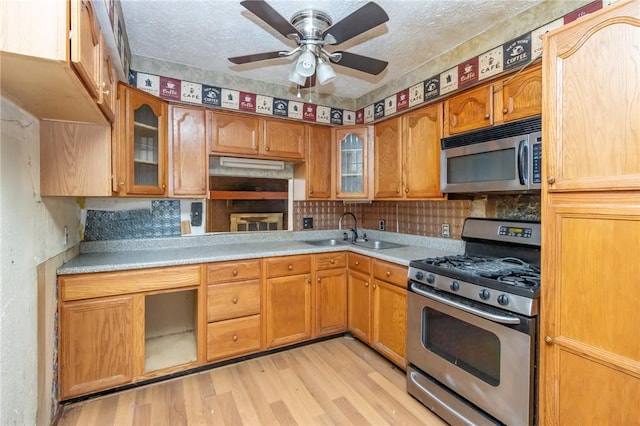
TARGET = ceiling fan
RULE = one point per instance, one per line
(312, 30)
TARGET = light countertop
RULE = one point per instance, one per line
(101, 256)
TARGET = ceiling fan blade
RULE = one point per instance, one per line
(368, 16)
(361, 63)
(255, 57)
(310, 82)
(269, 15)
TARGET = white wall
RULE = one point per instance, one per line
(31, 231)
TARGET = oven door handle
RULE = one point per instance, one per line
(470, 309)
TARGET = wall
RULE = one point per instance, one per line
(31, 232)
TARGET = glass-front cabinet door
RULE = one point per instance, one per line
(145, 143)
(353, 162)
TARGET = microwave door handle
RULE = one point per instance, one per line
(522, 161)
(470, 309)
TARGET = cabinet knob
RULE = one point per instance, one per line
(311, 191)
(550, 180)
(406, 190)
(122, 183)
(357, 262)
(164, 186)
(290, 267)
(318, 279)
(504, 111)
(548, 340)
(266, 148)
(366, 284)
(388, 273)
(234, 300)
(487, 116)
(234, 272)
(374, 286)
(235, 338)
(332, 261)
(308, 280)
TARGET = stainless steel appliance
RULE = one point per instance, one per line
(472, 326)
(505, 158)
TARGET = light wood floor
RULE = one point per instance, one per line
(335, 382)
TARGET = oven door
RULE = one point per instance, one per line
(482, 354)
(495, 166)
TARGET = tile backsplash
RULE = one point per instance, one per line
(424, 218)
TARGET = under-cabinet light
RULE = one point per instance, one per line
(251, 163)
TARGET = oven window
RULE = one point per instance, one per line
(482, 167)
(474, 349)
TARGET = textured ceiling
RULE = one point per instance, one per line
(204, 34)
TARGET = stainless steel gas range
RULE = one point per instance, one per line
(472, 326)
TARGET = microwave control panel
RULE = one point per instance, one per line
(536, 159)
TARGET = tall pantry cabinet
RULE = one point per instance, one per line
(590, 346)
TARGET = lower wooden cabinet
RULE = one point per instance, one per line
(234, 304)
(120, 327)
(390, 311)
(97, 344)
(359, 310)
(331, 293)
(287, 312)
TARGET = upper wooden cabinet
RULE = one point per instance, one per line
(590, 117)
(284, 139)
(143, 142)
(469, 110)
(41, 71)
(353, 167)
(520, 96)
(232, 133)
(407, 155)
(108, 86)
(75, 159)
(188, 156)
(319, 164)
(387, 154)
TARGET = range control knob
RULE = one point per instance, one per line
(431, 278)
(419, 276)
(454, 286)
(484, 294)
(503, 299)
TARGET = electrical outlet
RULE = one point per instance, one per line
(381, 225)
(196, 214)
(307, 223)
(446, 230)
(66, 236)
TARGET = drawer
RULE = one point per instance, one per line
(331, 260)
(225, 272)
(102, 284)
(390, 272)
(233, 300)
(233, 337)
(358, 262)
(289, 265)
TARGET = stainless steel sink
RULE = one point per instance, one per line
(327, 243)
(378, 245)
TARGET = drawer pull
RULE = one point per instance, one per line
(234, 272)
(332, 261)
(235, 338)
(318, 279)
(290, 267)
(357, 262)
(234, 300)
(374, 286)
(366, 284)
(388, 273)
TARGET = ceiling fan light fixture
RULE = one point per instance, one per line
(306, 64)
(324, 72)
(295, 77)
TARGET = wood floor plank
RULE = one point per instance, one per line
(339, 381)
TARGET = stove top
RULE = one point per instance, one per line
(508, 274)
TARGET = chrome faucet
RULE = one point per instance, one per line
(354, 229)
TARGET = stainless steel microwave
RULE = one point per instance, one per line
(505, 158)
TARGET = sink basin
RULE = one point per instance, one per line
(378, 245)
(327, 243)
